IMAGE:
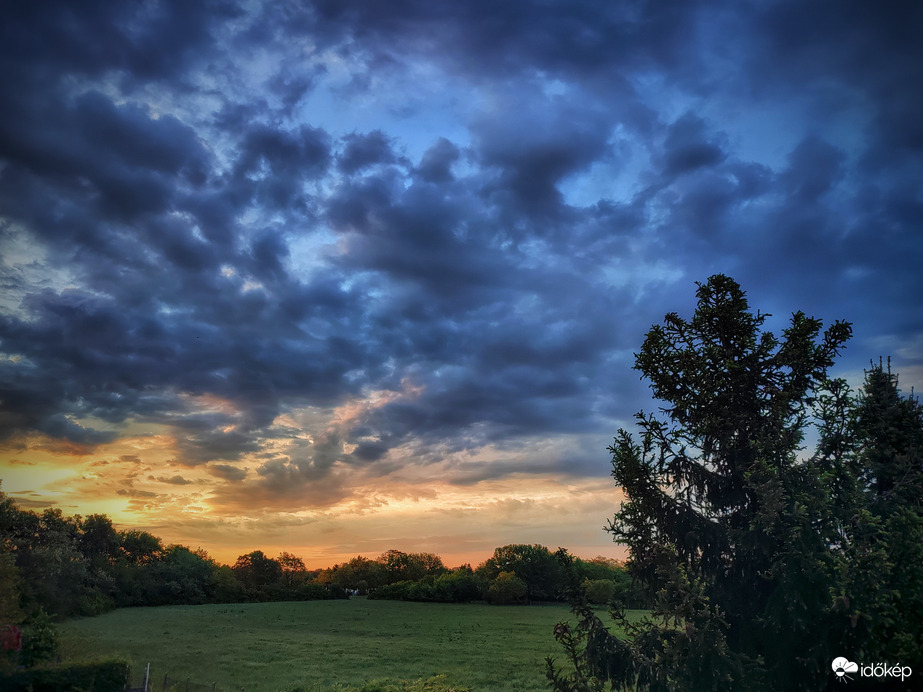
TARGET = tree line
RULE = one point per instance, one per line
(54, 566)
(72, 565)
(514, 574)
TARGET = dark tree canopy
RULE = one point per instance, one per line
(534, 565)
(741, 536)
(883, 574)
(889, 436)
(716, 492)
(765, 562)
(255, 570)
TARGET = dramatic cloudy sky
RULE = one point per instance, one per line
(339, 276)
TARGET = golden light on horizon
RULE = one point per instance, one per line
(188, 505)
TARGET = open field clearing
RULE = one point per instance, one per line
(320, 645)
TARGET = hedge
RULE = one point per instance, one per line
(104, 676)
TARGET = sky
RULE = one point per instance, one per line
(337, 277)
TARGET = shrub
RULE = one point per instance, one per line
(599, 590)
(457, 587)
(311, 591)
(390, 592)
(103, 676)
(507, 588)
(453, 587)
(39, 641)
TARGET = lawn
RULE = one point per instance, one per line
(321, 645)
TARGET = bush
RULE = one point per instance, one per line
(404, 591)
(10, 645)
(452, 587)
(104, 676)
(457, 587)
(599, 590)
(507, 588)
(311, 591)
(39, 641)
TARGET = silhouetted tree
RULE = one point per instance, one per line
(258, 573)
(733, 532)
(139, 547)
(99, 542)
(401, 566)
(360, 573)
(883, 537)
(535, 565)
(888, 429)
(182, 576)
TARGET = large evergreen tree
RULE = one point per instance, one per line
(882, 441)
(727, 523)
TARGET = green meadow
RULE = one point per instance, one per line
(326, 645)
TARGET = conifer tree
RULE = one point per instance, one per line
(730, 528)
(884, 572)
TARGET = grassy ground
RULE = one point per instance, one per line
(322, 645)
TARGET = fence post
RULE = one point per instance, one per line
(187, 684)
(164, 688)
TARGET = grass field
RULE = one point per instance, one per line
(323, 645)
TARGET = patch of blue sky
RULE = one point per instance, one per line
(25, 269)
(414, 109)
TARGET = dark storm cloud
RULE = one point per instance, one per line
(688, 147)
(436, 164)
(228, 472)
(859, 59)
(275, 162)
(412, 237)
(90, 134)
(366, 150)
(216, 253)
(144, 40)
(534, 143)
(59, 426)
(94, 162)
(815, 167)
(851, 51)
(578, 38)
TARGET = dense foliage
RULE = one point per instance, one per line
(55, 566)
(764, 563)
(83, 566)
(105, 676)
(514, 574)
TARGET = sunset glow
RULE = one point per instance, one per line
(336, 278)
